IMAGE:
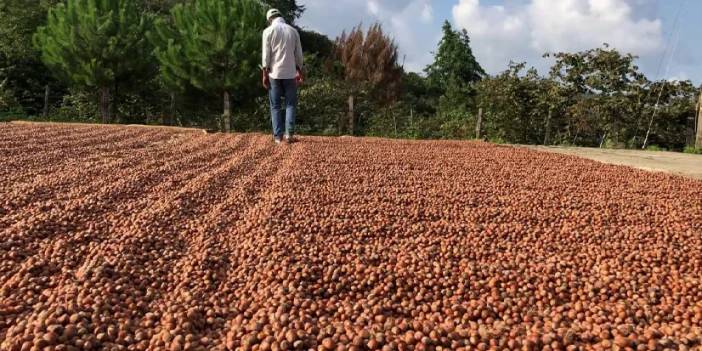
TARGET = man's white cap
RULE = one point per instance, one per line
(271, 13)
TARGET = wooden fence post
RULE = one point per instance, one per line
(698, 139)
(47, 91)
(227, 115)
(352, 124)
(479, 123)
(547, 132)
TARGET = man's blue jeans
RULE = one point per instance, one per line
(280, 88)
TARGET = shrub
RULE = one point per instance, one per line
(655, 148)
(78, 105)
(497, 140)
(7, 98)
(322, 106)
(692, 150)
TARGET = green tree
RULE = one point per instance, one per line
(322, 105)
(452, 76)
(599, 83)
(454, 62)
(7, 99)
(160, 6)
(290, 9)
(312, 42)
(174, 77)
(26, 82)
(506, 101)
(214, 45)
(20, 20)
(417, 93)
(316, 44)
(369, 63)
(668, 117)
(95, 44)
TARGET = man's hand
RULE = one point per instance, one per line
(265, 80)
(299, 78)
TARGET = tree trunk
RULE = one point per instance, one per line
(648, 131)
(105, 105)
(114, 102)
(698, 140)
(170, 116)
(479, 124)
(227, 115)
(340, 122)
(616, 132)
(639, 113)
(352, 124)
(47, 90)
(547, 131)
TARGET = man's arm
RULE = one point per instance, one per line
(265, 80)
(299, 57)
(266, 59)
(299, 60)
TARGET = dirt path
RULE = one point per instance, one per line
(656, 161)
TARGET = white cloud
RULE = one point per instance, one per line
(427, 15)
(410, 22)
(373, 8)
(520, 30)
(680, 76)
(523, 32)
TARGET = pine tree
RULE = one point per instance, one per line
(24, 75)
(452, 76)
(159, 6)
(369, 62)
(163, 37)
(94, 44)
(213, 45)
(454, 62)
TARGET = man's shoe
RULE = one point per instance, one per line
(277, 141)
(289, 139)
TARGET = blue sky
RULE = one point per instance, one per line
(522, 30)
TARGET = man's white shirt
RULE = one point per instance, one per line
(282, 50)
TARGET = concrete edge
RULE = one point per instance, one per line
(564, 151)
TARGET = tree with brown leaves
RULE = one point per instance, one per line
(369, 62)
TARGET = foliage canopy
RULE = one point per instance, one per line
(213, 45)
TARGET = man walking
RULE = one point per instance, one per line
(282, 72)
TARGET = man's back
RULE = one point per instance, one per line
(282, 51)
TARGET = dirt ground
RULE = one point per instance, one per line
(655, 161)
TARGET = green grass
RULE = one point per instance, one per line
(655, 148)
(497, 140)
(6, 116)
(692, 150)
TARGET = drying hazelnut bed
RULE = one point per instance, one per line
(122, 238)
